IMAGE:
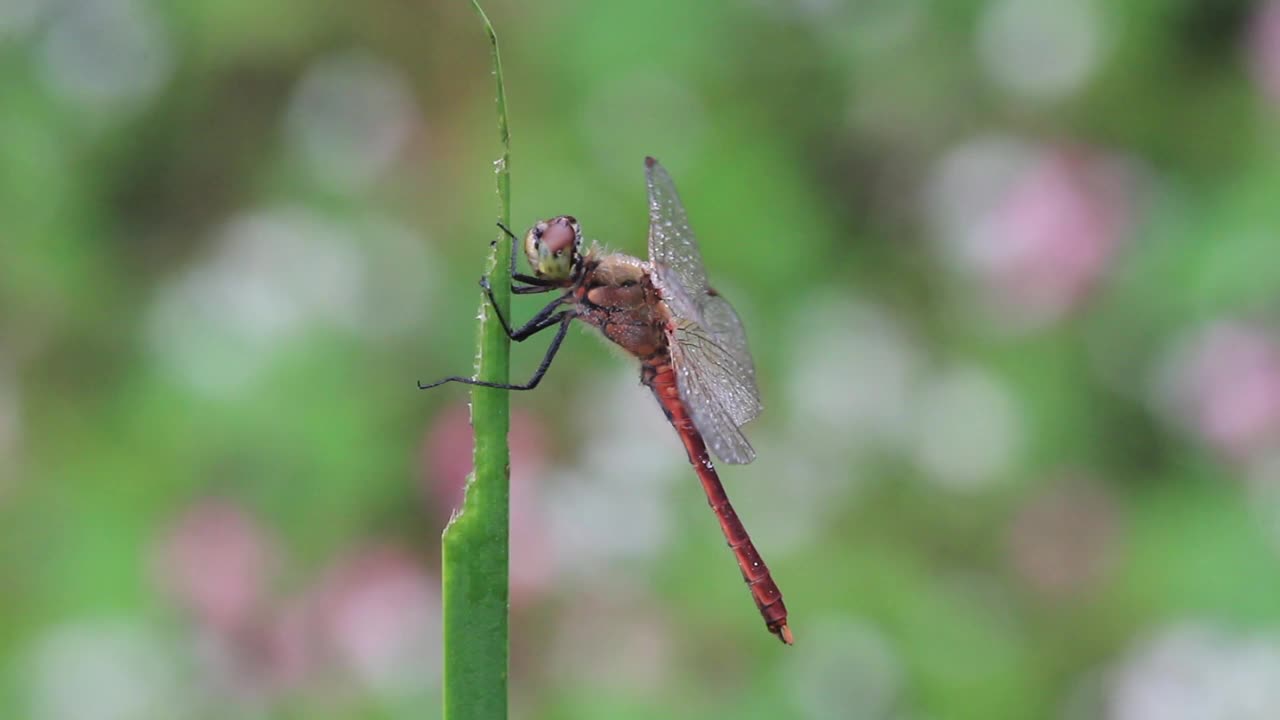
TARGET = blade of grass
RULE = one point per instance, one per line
(474, 545)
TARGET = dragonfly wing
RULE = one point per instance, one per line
(714, 370)
(702, 372)
(739, 392)
(673, 249)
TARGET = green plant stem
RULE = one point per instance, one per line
(475, 543)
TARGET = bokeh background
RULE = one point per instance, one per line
(1010, 270)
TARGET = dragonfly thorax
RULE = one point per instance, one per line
(616, 294)
(618, 282)
(553, 247)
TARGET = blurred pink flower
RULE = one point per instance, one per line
(1036, 226)
(1226, 384)
(1264, 50)
(1062, 539)
(446, 457)
(215, 562)
(615, 636)
(446, 454)
(1054, 232)
(447, 462)
(285, 646)
(379, 616)
(531, 562)
(261, 662)
(1196, 671)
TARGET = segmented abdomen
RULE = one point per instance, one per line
(658, 374)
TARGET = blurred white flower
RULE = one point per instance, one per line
(350, 118)
(615, 502)
(848, 670)
(19, 17)
(105, 669)
(967, 184)
(611, 636)
(787, 496)
(1193, 672)
(857, 385)
(853, 372)
(1263, 477)
(1264, 50)
(274, 275)
(594, 524)
(968, 429)
(1040, 49)
(400, 277)
(105, 55)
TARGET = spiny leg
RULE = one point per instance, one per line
(539, 322)
(563, 318)
(529, 289)
(528, 328)
(532, 285)
(543, 320)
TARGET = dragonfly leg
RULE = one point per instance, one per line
(563, 318)
(531, 280)
(530, 289)
(528, 279)
(531, 285)
(535, 324)
(543, 320)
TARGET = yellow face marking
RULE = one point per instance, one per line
(552, 247)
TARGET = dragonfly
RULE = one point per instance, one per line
(690, 343)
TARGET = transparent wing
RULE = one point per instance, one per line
(701, 369)
(714, 370)
(717, 352)
(673, 249)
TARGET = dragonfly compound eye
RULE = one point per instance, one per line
(552, 247)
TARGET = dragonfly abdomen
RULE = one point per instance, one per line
(661, 379)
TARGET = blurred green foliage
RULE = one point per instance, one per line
(999, 266)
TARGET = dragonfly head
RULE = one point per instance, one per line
(553, 247)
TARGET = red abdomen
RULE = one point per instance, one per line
(661, 379)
